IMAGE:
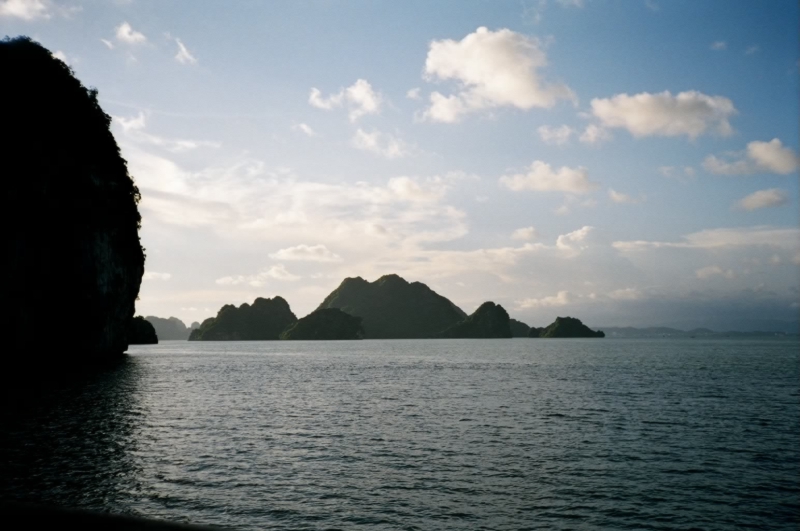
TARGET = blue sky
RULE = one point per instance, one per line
(627, 162)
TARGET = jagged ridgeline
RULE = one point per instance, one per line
(265, 319)
(392, 308)
(73, 259)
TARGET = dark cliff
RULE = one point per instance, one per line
(565, 327)
(265, 319)
(490, 320)
(392, 308)
(328, 323)
(70, 216)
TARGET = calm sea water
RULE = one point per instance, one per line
(445, 434)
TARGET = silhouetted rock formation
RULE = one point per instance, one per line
(71, 244)
(518, 328)
(328, 323)
(490, 320)
(265, 319)
(392, 308)
(565, 327)
(172, 328)
(141, 332)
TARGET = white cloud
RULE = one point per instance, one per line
(562, 298)
(360, 97)
(619, 197)
(125, 33)
(379, 143)
(277, 272)
(152, 275)
(594, 134)
(493, 69)
(773, 156)
(759, 236)
(109, 44)
(688, 113)
(307, 253)
(719, 45)
(557, 136)
(571, 3)
(752, 49)
(652, 5)
(525, 233)
(711, 271)
(304, 128)
(759, 157)
(413, 94)
(542, 178)
(763, 199)
(184, 56)
(24, 9)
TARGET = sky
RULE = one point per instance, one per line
(627, 162)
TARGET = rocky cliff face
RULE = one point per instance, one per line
(70, 218)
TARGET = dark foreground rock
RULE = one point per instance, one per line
(565, 327)
(490, 320)
(73, 259)
(328, 323)
(141, 332)
(392, 308)
(265, 319)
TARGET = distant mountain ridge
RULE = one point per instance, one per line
(393, 308)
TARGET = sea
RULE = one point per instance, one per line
(507, 434)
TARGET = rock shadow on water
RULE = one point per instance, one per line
(69, 441)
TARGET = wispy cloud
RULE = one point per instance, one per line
(772, 197)
(360, 98)
(184, 56)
